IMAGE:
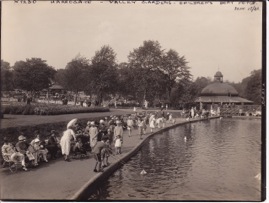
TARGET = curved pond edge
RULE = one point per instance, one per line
(92, 184)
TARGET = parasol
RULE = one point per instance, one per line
(72, 122)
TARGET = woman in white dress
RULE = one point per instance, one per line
(68, 135)
(93, 131)
(152, 123)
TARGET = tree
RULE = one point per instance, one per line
(6, 77)
(59, 77)
(175, 69)
(126, 85)
(75, 77)
(103, 73)
(201, 83)
(105, 56)
(33, 74)
(254, 86)
(145, 62)
(148, 56)
(184, 92)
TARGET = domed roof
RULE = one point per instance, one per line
(219, 89)
(218, 74)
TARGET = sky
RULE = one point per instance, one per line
(212, 37)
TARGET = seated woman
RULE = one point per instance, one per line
(23, 147)
(53, 144)
(38, 149)
(9, 154)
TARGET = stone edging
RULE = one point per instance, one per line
(82, 193)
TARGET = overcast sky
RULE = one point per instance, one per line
(212, 37)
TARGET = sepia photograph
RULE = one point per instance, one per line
(133, 100)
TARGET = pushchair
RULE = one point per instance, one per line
(81, 147)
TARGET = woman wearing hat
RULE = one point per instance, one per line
(118, 130)
(22, 146)
(86, 131)
(68, 135)
(102, 130)
(37, 150)
(93, 131)
(53, 144)
(9, 154)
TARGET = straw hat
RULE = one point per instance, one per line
(92, 123)
(72, 122)
(21, 137)
(101, 121)
(118, 122)
(89, 122)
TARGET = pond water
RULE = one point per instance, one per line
(218, 160)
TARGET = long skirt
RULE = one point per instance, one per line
(65, 146)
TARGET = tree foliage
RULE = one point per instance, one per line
(6, 77)
(175, 69)
(201, 83)
(151, 73)
(156, 72)
(103, 73)
(254, 86)
(148, 56)
(74, 78)
(33, 74)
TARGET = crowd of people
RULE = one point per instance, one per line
(100, 138)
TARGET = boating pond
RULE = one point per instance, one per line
(218, 159)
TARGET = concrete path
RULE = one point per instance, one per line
(58, 180)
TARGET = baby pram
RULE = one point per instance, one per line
(80, 149)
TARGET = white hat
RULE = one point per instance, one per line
(101, 121)
(92, 123)
(36, 140)
(89, 122)
(21, 137)
(118, 122)
(72, 122)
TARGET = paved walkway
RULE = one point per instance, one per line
(57, 180)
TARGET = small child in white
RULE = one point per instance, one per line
(140, 124)
(118, 143)
(152, 123)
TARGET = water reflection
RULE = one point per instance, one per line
(218, 160)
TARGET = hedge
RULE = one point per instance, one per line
(47, 109)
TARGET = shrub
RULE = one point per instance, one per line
(48, 109)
